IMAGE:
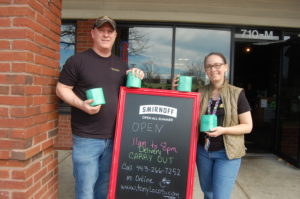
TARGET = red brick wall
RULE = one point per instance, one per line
(64, 139)
(29, 66)
(83, 34)
(83, 42)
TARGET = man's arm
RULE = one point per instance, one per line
(66, 93)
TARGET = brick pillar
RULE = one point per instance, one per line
(29, 67)
(84, 40)
(64, 138)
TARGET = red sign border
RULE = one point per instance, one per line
(119, 125)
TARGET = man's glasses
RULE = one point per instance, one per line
(209, 67)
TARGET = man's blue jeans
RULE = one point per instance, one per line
(91, 167)
(217, 173)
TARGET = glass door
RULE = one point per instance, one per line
(256, 70)
(289, 102)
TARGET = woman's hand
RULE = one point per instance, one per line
(215, 132)
(175, 82)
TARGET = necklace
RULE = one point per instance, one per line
(214, 110)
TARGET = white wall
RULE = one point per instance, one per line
(278, 13)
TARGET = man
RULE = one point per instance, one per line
(93, 126)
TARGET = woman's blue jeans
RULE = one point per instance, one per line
(91, 167)
(217, 173)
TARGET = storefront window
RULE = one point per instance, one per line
(192, 45)
(150, 49)
(67, 42)
(67, 49)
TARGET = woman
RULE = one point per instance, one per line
(220, 150)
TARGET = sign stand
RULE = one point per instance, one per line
(155, 144)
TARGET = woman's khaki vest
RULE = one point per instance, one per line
(234, 144)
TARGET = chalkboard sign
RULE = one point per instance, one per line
(155, 144)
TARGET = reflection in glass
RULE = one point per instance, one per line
(150, 49)
(67, 49)
(290, 102)
(192, 45)
(67, 42)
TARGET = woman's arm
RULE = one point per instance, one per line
(244, 127)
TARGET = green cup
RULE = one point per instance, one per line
(97, 95)
(208, 122)
(133, 81)
(185, 83)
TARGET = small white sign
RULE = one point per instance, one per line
(158, 109)
(263, 103)
(256, 34)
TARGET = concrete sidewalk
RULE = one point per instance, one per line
(260, 177)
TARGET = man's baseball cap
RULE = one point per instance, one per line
(104, 19)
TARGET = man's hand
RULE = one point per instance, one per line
(136, 72)
(86, 107)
